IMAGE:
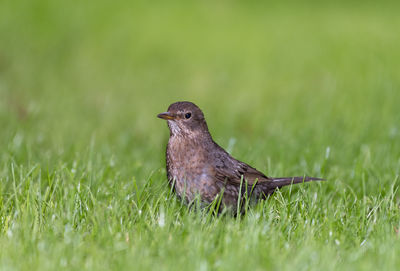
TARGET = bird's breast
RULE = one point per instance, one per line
(188, 169)
(185, 159)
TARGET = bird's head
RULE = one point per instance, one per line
(185, 119)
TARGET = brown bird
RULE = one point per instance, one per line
(196, 165)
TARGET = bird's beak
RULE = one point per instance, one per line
(166, 116)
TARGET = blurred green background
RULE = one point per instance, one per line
(324, 72)
(298, 87)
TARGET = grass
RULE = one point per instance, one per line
(291, 89)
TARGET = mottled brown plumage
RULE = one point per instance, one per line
(196, 165)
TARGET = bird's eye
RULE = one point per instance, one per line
(188, 115)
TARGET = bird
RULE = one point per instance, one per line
(197, 167)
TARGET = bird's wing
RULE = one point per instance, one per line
(228, 169)
(240, 172)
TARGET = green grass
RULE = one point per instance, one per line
(289, 88)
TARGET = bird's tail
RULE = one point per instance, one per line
(282, 181)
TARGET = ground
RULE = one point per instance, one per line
(289, 88)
